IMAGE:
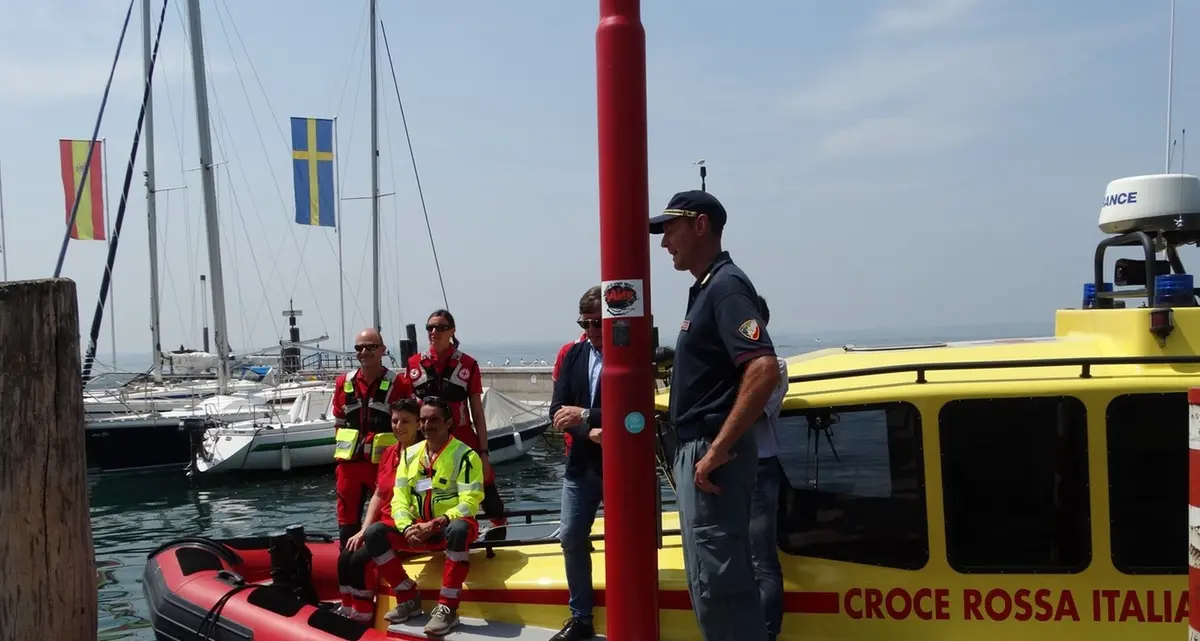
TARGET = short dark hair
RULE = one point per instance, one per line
(589, 303)
(409, 405)
(441, 404)
(764, 310)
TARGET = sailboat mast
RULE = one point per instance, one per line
(151, 212)
(337, 222)
(112, 290)
(3, 239)
(375, 170)
(220, 336)
(1170, 78)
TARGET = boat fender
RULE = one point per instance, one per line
(285, 458)
(518, 441)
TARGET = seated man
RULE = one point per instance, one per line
(439, 486)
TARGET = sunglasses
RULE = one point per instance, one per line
(441, 327)
(590, 323)
(436, 401)
(367, 348)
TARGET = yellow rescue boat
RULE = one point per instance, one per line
(993, 489)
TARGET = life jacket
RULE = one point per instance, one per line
(452, 387)
(355, 441)
(450, 485)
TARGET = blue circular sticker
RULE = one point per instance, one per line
(635, 422)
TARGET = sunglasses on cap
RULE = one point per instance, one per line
(590, 323)
(436, 401)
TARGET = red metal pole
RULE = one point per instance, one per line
(627, 393)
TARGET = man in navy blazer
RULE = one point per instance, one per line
(575, 409)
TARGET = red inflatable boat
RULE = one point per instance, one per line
(263, 588)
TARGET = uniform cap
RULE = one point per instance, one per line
(691, 204)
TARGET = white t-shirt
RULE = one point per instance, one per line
(765, 431)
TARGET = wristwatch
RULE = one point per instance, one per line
(583, 415)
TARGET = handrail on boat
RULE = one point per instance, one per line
(920, 369)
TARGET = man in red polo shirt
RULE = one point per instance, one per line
(362, 414)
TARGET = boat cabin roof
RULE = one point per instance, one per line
(1090, 347)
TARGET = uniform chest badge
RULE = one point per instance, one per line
(464, 373)
(415, 373)
(683, 327)
(749, 329)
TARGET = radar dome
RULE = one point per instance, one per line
(1154, 203)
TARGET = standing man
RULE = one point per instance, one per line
(575, 409)
(362, 416)
(764, 507)
(724, 371)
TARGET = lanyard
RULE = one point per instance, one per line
(430, 462)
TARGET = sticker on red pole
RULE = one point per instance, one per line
(622, 298)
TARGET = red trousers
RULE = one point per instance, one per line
(355, 485)
(455, 540)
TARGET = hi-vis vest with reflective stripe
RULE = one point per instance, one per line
(425, 380)
(454, 490)
(354, 441)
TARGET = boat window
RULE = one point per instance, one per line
(855, 485)
(1015, 485)
(1148, 482)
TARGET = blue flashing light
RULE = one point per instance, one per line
(1089, 293)
(1174, 289)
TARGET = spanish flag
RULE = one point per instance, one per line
(89, 220)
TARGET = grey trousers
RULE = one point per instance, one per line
(716, 542)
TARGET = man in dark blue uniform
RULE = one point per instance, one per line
(724, 372)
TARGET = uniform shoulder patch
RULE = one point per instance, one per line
(749, 329)
(464, 373)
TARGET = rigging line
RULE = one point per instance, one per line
(420, 192)
(277, 275)
(262, 141)
(362, 20)
(271, 168)
(392, 275)
(167, 265)
(284, 138)
(345, 165)
(164, 227)
(106, 280)
(87, 163)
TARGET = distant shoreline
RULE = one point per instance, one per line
(789, 343)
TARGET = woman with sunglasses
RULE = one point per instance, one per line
(445, 371)
(357, 573)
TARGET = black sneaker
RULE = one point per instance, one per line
(575, 630)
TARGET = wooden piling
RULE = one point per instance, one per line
(46, 558)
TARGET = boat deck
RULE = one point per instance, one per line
(470, 629)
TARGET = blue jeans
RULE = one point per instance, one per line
(764, 509)
(581, 498)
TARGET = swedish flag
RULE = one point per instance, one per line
(312, 165)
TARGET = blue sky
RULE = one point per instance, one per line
(885, 164)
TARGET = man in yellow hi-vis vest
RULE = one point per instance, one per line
(437, 494)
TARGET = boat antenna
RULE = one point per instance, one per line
(1170, 77)
(703, 173)
(1182, 148)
